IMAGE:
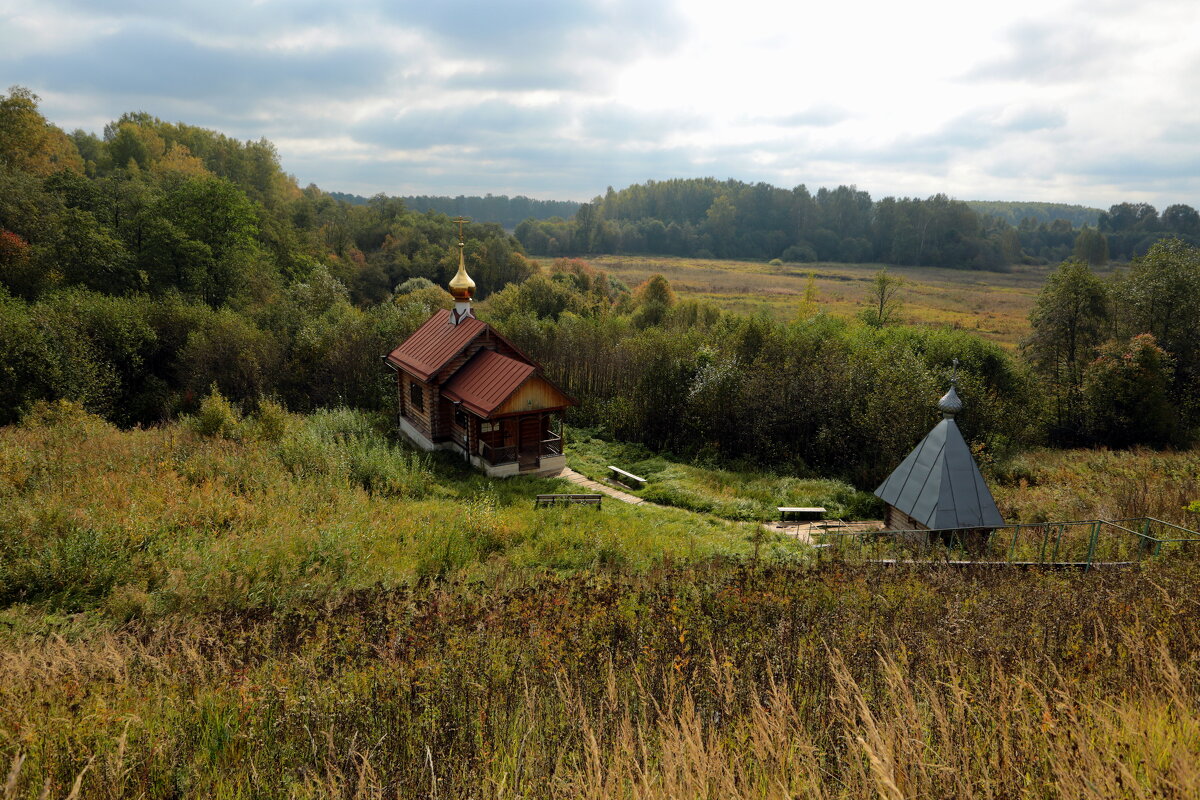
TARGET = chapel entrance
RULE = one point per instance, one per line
(530, 447)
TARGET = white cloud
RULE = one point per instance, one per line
(1053, 100)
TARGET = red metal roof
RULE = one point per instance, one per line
(434, 344)
(486, 381)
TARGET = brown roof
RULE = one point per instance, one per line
(434, 344)
(486, 381)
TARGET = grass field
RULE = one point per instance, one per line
(298, 607)
(730, 494)
(994, 304)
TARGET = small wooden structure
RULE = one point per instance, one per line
(938, 486)
(462, 386)
(628, 478)
(555, 499)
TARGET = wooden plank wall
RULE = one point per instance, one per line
(423, 418)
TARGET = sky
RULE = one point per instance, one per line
(1053, 100)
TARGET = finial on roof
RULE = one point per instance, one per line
(950, 404)
(461, 285)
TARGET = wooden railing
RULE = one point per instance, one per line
(497, 455)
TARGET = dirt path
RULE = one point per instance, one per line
(587, 483)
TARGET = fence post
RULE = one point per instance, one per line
(1146, 541)
(1057, 541)
(1012, 548)
(1092, 544)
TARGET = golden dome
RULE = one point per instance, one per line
(461, 285)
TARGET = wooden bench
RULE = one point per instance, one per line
(555, 499)
(628, 478)
(816, 512)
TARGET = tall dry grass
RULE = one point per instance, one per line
(712, 680)
(1051, 484)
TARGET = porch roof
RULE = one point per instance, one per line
(486, 381)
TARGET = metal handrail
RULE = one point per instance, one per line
(1167, 524)
(1048, 530)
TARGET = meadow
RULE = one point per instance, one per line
(993, 304)
(736, 494)
(287, 606)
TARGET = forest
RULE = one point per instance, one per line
(707, 218)
(147, 267)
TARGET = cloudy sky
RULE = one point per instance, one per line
(1083, 102)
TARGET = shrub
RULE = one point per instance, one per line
(60, 413)
(270, 422)
(413, 284)
(217, 419)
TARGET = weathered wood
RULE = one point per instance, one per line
(555, 499)
(627, 478)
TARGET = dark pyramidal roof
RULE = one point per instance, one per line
(938, 483)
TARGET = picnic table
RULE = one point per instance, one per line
(800, 512)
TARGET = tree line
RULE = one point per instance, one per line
(501, 209)
(707, 218)
(136, 287)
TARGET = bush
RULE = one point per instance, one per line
(803, 253)
(413, 284)
(270, 422)
(217, 419)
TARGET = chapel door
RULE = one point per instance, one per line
(531, 441)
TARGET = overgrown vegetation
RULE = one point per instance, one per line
(238, 600)
(276, 512)
(1046, 484)
(710, 679)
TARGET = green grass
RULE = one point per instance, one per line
(148, 522)
(731, 494)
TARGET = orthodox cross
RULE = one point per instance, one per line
(459, 221)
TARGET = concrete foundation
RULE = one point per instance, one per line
(547, 465)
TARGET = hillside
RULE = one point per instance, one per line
(284, 605)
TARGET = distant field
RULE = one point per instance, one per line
(996, 304)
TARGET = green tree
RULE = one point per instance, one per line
(652, 300)
(1091, 246)
(885, 302)
(1161, 295)
(1069, 320)
(720, 222)
(210, 237)
(1127, 389)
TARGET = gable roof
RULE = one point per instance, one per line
(939, 485)
(435, 344)
(486, 381)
